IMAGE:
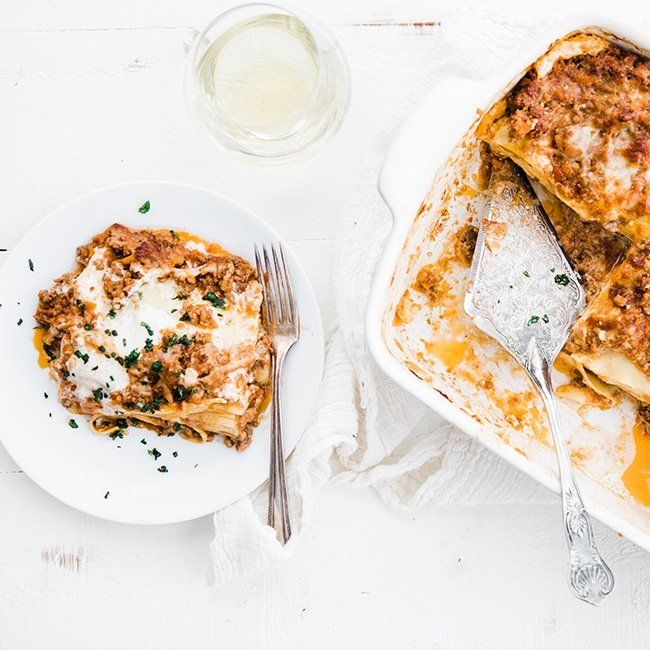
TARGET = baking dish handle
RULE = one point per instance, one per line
(422, 144)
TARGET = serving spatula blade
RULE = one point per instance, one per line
(524, 293)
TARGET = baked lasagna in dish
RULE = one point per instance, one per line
(578, 124)
(159, 329)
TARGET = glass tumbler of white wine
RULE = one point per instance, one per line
(267, 82)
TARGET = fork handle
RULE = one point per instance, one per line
(589, 576)
(278, 484)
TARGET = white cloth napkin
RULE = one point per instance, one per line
(365, 430)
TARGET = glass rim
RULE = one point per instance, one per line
(304, 18)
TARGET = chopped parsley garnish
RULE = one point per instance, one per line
(157, 367)
(179, 296)
(145, 207)
(88, 327)
(527, 274)
(48, 351)
(170, 341)
(112, 313)
(106, 495)
(148, 345)
(155, 453)
(177, 426)
(81, 355)
(532, 320)
(147, 327)
(562, 279)
(72, 423)
(114, 332)
(111, 377)
(150, 407)
(175, 454)
(117, 434)
(131, 358)
(185, 317)
(162, 469)
(81, 305)
(181, 393)
(553, 270)
(212, 298)
(124, 342)
(143, 441)
(31, 265)
(46, 395)
(545, 318)
(122, 423)
(94, 367)
(183, 340)
(20, 321)
(98, 393)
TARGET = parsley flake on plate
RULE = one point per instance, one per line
(212, 298)
(145, 207)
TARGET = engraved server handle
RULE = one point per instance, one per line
(589, 576)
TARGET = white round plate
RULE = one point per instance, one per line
(118, 479)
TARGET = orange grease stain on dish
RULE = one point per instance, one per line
(43, 359)
(636, 477)
(451, 353)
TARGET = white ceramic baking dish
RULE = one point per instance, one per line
(416, 158)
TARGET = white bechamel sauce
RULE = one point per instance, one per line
(153, 301)
(618, 171)
(585, 138)
(89, 281)
(235, 327)
(109, 375)
(235, 387)
(150, 301)
(190, 377)
(196, 246)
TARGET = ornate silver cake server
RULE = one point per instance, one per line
(524, 293)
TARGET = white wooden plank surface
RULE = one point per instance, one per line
(90, 96)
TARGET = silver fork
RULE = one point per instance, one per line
(280, 314)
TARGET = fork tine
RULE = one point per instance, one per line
(282, 291)
(272, 288)
(292, 302)
(262, 278)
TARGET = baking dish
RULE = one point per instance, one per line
(427, 158)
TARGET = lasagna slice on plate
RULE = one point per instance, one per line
(159, 329)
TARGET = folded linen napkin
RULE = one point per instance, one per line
(365, 430)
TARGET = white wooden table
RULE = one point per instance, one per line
(90, 95)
